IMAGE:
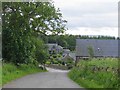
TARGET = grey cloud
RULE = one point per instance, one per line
(95, 21)
(94, 16)
(89, 8)
(91, 14)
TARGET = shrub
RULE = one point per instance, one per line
(48, 62)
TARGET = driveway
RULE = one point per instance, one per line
(52, 79)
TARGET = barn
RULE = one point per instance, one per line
(101, 48)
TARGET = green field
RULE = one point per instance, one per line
(11, 72)
(96, 73)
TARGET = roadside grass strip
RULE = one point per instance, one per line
(96, 73)
(11, 72)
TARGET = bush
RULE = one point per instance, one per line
(48, 62)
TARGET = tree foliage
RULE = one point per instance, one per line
(23, 24)
(90, 51)
(66, 41)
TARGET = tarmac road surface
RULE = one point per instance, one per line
(52, 79)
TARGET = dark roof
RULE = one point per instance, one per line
(67, 56)
(72, 55)
(51, 45)
(100, 47)
(54, 45)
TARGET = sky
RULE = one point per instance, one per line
(90, 17)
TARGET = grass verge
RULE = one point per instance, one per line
(96, 73)
(0, 73)
(11, 72)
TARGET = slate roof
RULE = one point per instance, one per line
(66, 50)
(55, 46)
(105, 48)
(51, 45)
(71, 55)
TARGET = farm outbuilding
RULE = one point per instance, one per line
(53, 47)
(101, 48)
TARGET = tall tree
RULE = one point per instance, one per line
(21, 21)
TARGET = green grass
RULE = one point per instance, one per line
(11, 72)
(103, 62)
(86, 77)
(0, 73)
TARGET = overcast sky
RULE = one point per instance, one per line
(90, 17)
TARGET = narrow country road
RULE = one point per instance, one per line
(52, 79)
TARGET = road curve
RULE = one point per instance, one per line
(52, 79)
